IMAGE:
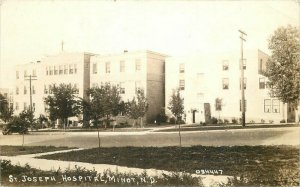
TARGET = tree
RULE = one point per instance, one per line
(63, 103)
(103, 103)
(137, 107)
(177, 108)
(283, 67)
(6, 112)
(24, 121)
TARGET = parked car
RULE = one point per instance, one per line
(13, 127)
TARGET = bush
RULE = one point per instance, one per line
(234, 121)
(252, 121)
(172, 120)
(226, 121)
(213, 120)
(282, 121)
(271, 121)
(220, 121)
(262, 121)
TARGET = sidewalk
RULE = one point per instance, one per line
(53, 165)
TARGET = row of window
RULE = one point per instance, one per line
(226, 65)
(138, 86)
(271, 105)
(25, 90)
(225, 83)
(25, 106)
(25, 74)
(122, 66)
(262, 83)
(48, 88)
(61, 69)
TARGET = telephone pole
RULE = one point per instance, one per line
(242, 78)
(30, 78)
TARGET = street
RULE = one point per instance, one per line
(259, 136)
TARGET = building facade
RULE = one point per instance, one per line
(211, 87)
(67, 68)
(132, 71)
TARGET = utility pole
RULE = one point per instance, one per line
(30, 78)
(242, 78)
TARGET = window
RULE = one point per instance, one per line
(262, 83)
(181, 84)
(33, 106)
(225, 83)
(260, 66)
(33, 89)
(17, 106)
(225, 65)
(61, 71)
(17, 75)
(244, 106)
(137, 65)
(47, 70)
(25, 106)
(50, 70)
(122, 66)
(244, 64)
(181, 68)
(107, 67)
(122, 87)
(138, 86)
(55, 70)
(76, 89)
(25, 90)
(71, 69)
(95, 68)
(33, 72)
(50, 89)
(17, 90)
(45, 89)
(267, 105)
(245, 83)
(65, 69)
(275, 106)
(75, 68)
(25, 73)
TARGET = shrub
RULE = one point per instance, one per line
(271, 121)
(282, 121)
(213, 120)
(226, 121)
(262, 121)
(220, 121)
(234, 121)
(172, 120)
(252, 121)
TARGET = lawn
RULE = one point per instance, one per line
(6, 150)
(234, 160)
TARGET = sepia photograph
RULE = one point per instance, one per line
(150, 93)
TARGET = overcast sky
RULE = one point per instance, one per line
(34, 28)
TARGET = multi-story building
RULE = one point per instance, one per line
(67, 68)
(133, 71)
(211, 87)
(8, 94)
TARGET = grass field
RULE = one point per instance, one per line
(19, 150)
(232, 160)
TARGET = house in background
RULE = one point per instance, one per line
(207, 78)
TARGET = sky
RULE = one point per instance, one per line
(32, 29)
